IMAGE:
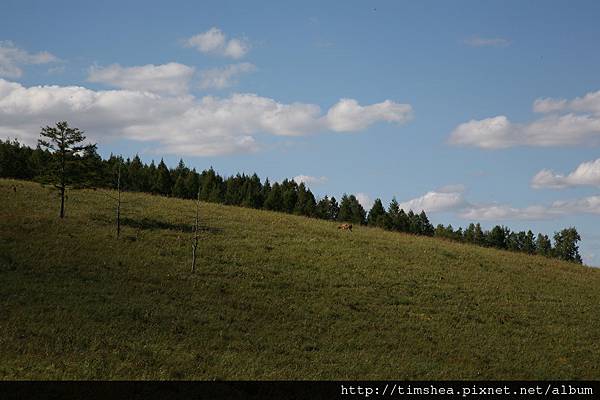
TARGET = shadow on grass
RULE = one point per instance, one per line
(155, 224)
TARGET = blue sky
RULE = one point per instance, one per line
(431, 102)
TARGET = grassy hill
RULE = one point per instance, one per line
(274, 297)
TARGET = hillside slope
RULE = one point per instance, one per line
(274, 297)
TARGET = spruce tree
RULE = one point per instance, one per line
(179, 188)
(357, 212)
(345, 212)
(426, 227)
(274, 200)
(376, 214)
(163, 184)
(192, 184)
(393, 214)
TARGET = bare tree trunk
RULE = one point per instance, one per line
(63, 184)
(119, 202)
(62, 201)
(196, 231)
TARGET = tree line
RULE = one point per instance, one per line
(82, 166)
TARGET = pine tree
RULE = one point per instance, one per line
(264, 192)
(345, 212)
(470, 233)
(65, 144)
(289, 194)
(192, 184)
(529, 243)
(413, 222)
(358, 213)
(322, 208)
(393, 215)
(179, 188)
(377, 214)
(513, 242)
(543, 246)
(310, 205)
(426, 227)
(497, 237)
(274, 200)
(479, 237)
(334, 209)
(162, 183)
(301, 199)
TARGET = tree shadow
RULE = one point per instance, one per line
(154, 224)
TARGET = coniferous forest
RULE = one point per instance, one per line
(18, 161)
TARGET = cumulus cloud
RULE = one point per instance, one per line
(588, 103)
(574, 122)
(548, 105)
(214, 41)
(365, 200)
(179, 125)
(496, 212)
(13, 58)
(447, 199)
(451, 198)
(220, 78)
(310, 180)
(172, 78)
(588, 205)
(478, 41)
(347, 115)
(586, 174)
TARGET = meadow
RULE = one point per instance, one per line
(274, 296)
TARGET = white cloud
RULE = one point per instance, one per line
(220, 78)
(436, 201)
(310, 180)
(588, 103)
(588, 205)
(365, 200)
(478, 41)
(347, 115)
(182, 125)
(497, 212)
(214, 41)
(171, 78)
(458, 188)
(13, 58)
(587, 173)
(489, 133)
(580, 126)
(548, 105)
(451, 198)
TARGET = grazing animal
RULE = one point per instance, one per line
(346, 227)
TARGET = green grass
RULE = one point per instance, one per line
(274, 297)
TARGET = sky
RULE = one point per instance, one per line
(473, 111)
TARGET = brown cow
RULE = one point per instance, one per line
(346, 227)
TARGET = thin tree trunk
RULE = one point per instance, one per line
(119, 202)
(63, 185)
(196, 230)
(62, 201)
